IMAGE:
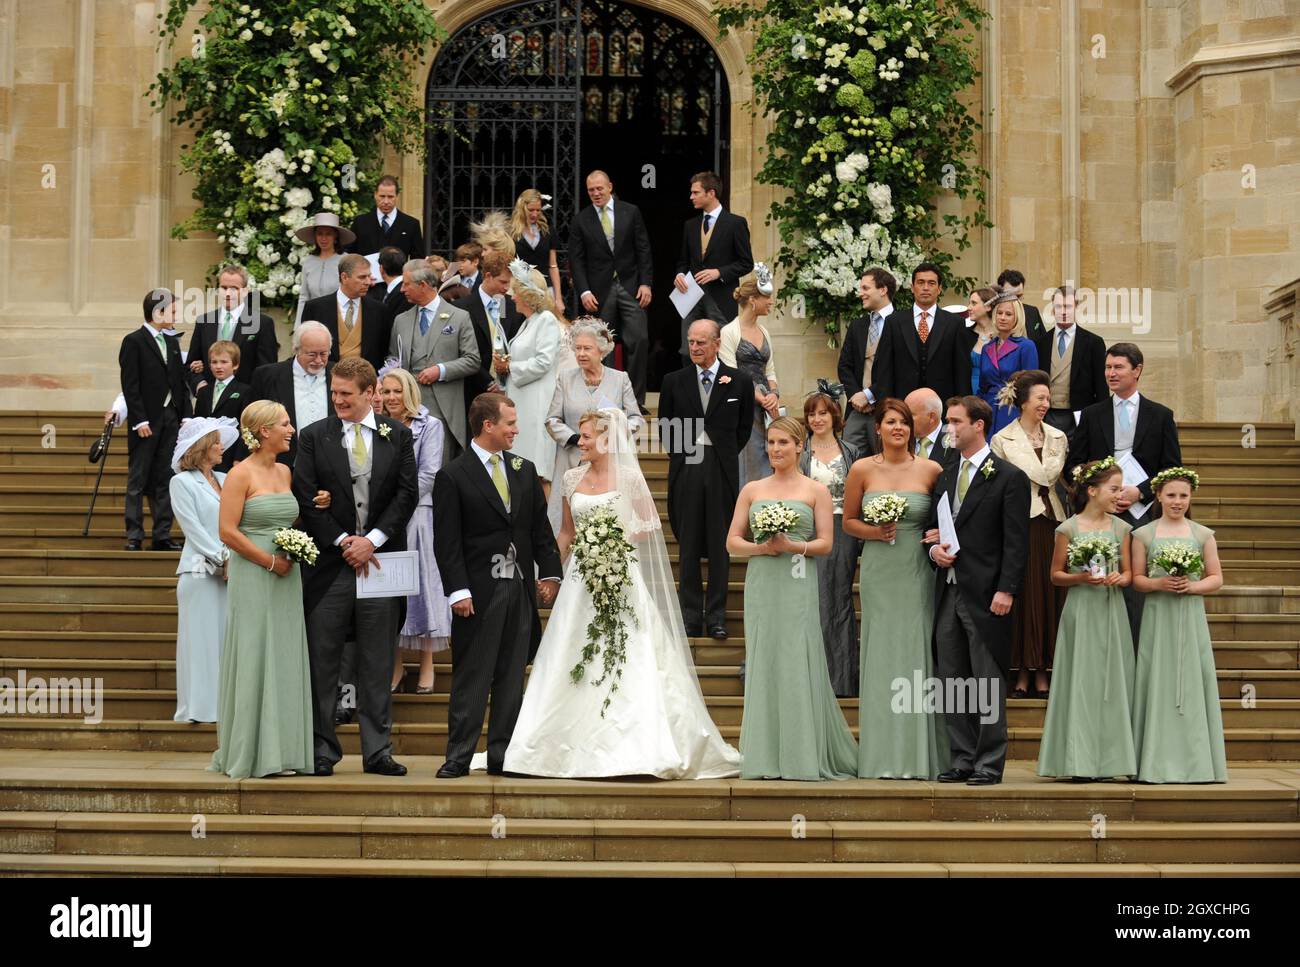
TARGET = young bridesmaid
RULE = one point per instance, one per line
(1177, 725)
(1088, 733)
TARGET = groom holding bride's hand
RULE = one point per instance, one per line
(491, 537)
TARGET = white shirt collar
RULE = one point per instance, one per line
(367, 421)
(483, 455)
(713, 370)
(1133, 399)
(933, 436)
(344, 300)
(298, 371)
(715, 213)
(978, 459)
(916, 312)
(392, 216)
(885, 312)
(235, 313)
(488, 299)
(222, 382)
(153, 333)
(394, 282)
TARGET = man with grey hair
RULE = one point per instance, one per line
(931, 441)
(300, 384)
(355, 319)
(236, 319)
(435, 341)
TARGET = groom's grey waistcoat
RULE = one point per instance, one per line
(361, 484)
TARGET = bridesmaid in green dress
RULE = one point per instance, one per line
(1177, 724)
(265, 724)
(897, 737)
(793, 727)
(1088, 732)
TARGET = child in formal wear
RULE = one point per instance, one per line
(1177, 724)
(1088, 733)
(225, 396)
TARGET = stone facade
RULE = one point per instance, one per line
(1148, 151)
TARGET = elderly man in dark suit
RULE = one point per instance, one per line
(1075, 361)
(157, 399)
(236, 320)
(706, 413)
(609, 255)
(300, 384)
(386, 225)
(715, 251)
(924, 347)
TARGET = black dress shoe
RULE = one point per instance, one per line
(385, 765)
(343, 715)
(956, 775)
(984, 779)
(452, 770)
(496, 770)
(718, 631)
(324, 767)
(133, 545)
(168, 545)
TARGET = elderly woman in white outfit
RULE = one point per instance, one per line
(201, 589)
(526, 371)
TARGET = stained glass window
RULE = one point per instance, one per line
(594, 102)
(617, 53)
(515, 46)
(536, 53)
(635, 53)
(595, 65)
(615, 103)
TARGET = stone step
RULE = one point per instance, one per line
(648, 840)
(422, 738)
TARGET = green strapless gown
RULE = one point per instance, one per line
(793, 727)
(897, 738)
(265, 695)
(1177, 721)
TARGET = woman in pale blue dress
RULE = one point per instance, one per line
(201, 588)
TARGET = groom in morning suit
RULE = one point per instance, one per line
(491, 537)
(706, 414)
(975, 589)
(367, 463)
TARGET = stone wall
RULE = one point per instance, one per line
(1133, 148)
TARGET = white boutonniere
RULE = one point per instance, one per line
(444, 315)
(988, 470)
(384, 430)
(234, 396)
(724, 380)
(517, 463)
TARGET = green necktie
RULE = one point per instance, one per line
(162, 344)
(227, 326)
(925, 447)
(216, 393)
(499, 480)
(358, 445)
(963, 482)
(605, 224)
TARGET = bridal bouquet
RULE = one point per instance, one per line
(297, 545)
(771, 519)
(603, 555)
(885, 509)
(1093, 552)
(1178, 560)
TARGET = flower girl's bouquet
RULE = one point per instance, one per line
(778, 517)
(1178, 560)
(296, 545)
(885, 509)
(1093, 552)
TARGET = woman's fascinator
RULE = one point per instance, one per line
(763, 278)
(194, 430)
(523, 276)
(826, 388)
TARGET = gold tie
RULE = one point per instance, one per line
(963, 482)
(499, 480)
(604, 222)
(925, 447)
(347, 318)
(358, 445)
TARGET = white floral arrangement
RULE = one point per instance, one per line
(1178, 559)
(297, 545)
(603, 556)
(778, 517)
(1093, 552)
(884, 509)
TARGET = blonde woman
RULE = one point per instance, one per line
(1007, 353)
(747, 346)
(534, 241)
(492, 232)
(264, 726)
(428, 615)
(528, 369)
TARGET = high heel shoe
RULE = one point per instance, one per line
(424, 689)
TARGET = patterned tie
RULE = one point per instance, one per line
(706, 380)
(963, 481)
(873, 334)
(347, 316)
(1125, 419)
(227, 325)
(606, 225)
(424, 322)
(358, 445)
(499, 479)
(1060, 342)
(923, 330)
(388, 223)
(924, 447)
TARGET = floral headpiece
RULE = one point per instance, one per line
(250, 441)
(1087, 473)
(1176, 473)
(522, 273)
(1007, 394)
(763, 276)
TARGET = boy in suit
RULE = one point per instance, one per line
(157, 399)
(225, 396)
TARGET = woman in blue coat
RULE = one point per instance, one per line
(1009, 351)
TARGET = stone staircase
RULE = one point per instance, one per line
(119, 796)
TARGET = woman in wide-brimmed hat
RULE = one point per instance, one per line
(320, 269)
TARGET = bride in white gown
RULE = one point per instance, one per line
(657, 722)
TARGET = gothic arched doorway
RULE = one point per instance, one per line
(535, 95)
